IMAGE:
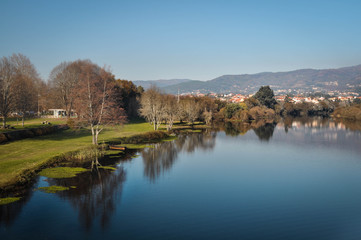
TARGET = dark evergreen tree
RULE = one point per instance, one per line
(266, 97)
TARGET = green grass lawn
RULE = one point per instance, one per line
(30, 153)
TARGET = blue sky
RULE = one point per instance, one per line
(164, 39)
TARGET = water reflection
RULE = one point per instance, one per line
(236, 128)
(161, 158)
(265, 131)
(320, 131)
(315, 122)
(349, 124)
(263, 128)
(317, 131)
(9, 212)
(96, 195)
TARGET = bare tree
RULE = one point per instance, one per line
(94, 102)
(26, 85)
(25, 95)
(170, 110)
(24, 67)
(207, 116)
(191, 109)
(7, 78)
(45, 98)
(152, 106)
(64, 78)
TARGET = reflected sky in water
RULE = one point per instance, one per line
(298, 179)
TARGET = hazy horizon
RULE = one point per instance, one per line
(292, 70)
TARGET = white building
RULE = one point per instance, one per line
(59, 113)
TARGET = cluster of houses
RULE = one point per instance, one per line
(239, 98)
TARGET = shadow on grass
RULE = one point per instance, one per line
(74, 134)
(62, 135)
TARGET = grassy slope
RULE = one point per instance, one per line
(16, 157)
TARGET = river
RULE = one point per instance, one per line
(291, 180)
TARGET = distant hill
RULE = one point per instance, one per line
(159, 83)
(341, 79)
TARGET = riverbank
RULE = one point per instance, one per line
(20, 160)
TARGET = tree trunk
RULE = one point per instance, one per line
(93, 134)
(23, 119)
(4, 122)
(68, 113)
(96, 137)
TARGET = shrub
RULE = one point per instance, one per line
(15, 135)
(255, 113)
(350, 112)
(261, 113)
(3, 138)
(147, 137)
(243, 115)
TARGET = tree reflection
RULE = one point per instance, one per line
(95, 196)
(161, 158)
(236, 128)
(352, 125)
(9, 212)
(263, 128)
(204, 141)
(265, 131)
(319, 122)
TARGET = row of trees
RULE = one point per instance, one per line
(157, 108)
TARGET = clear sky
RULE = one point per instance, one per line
(201, 40)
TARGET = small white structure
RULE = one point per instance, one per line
(58, 113)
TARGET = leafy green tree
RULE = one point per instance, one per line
(231, 109)
(266, 97)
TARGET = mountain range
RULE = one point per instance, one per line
(303, 80)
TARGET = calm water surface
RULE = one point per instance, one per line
(300, 180)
